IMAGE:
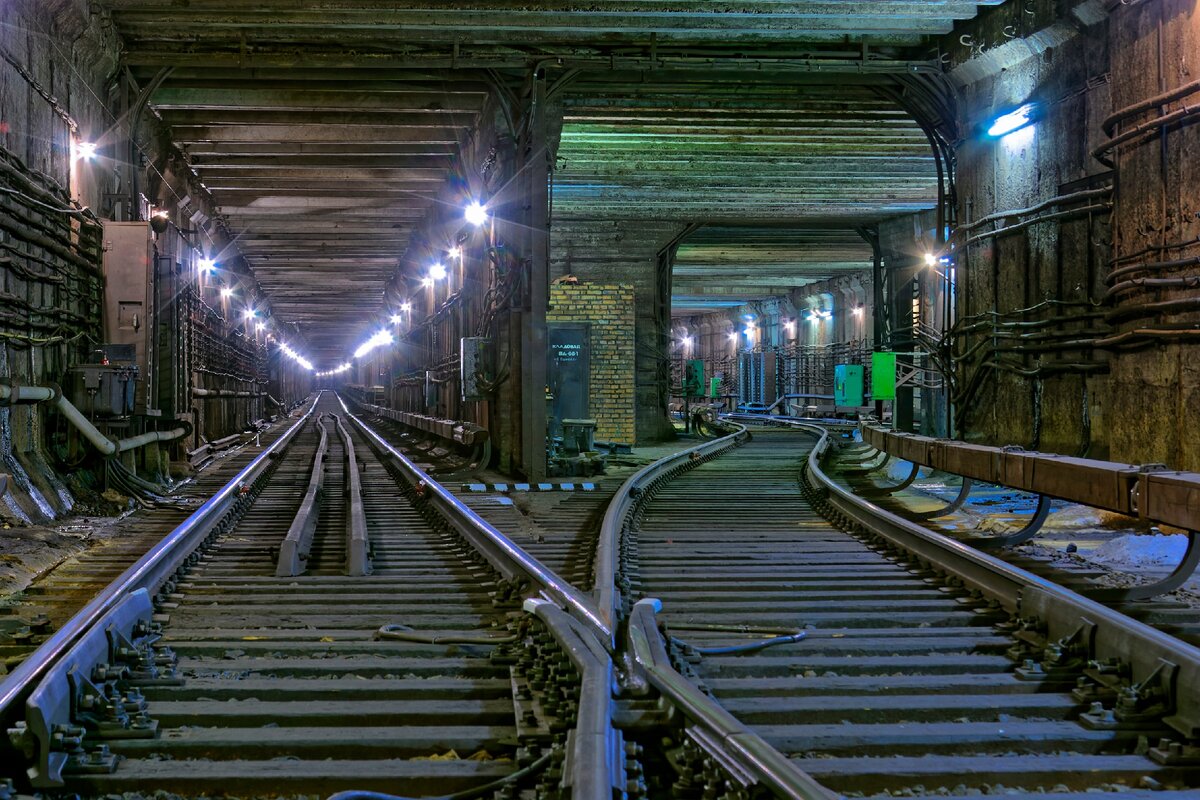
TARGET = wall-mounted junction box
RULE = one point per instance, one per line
(472, 364)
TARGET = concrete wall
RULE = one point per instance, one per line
(1036, 385)
(609, 308)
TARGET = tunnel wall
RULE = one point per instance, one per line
(59, 85)
(1128, 399)
(627, 252)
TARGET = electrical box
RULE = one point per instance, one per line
(847, 385)
(883, 376)
(103, 390)
(693, 378)
(756, 384)
(472, 362)
(714, 387)
(129, 306)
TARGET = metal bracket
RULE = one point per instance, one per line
(1019, 537)
(52, 736)
(1128, 594)
(954, 504)
(904, 484)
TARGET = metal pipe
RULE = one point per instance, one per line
(1042, 206)
(1110, 122)
(13, 393)
(85, 427)
(149, 572)
(16, 393)
(134, 442)
(1074, 212)
(212, 393)
(1145, 127)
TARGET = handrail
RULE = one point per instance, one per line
(510, 560)
(766, 764)
(149, 572)
(1108, 634)
(295, 547)
(358, 546)
(616, 517)
(1150, 491)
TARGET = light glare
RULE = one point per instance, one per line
(476, 214)
(437, 271)
(379, 339)
(1012, 121)
(86, 150)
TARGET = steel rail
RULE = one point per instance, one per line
(596, 757)
(509, 559)
(294, 549)
(358, 545)
(149, 572)
(596, 752)
(616, 517)
(1068, 619)
(761, 761)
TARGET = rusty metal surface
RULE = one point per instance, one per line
(1149, 492)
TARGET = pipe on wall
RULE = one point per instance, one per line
(11, 393)
(216, 393)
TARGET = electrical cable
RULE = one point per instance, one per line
(404, 633)
(748, 647)
(534, 767)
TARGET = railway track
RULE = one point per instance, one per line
(284, 685)
(898, 664)
(1165, 611)
(32, 615)
(753, 631)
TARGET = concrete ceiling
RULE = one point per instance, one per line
(721, 266)
(324, 128)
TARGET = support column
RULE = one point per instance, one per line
(535, 170)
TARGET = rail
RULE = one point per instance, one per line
(509, 559)
(295, 547)
(760, 763)
(1154, 667)
(148, 575)
(596, 747)
(115, 632)
(619, 516)
(358, 546)
(473, 440)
